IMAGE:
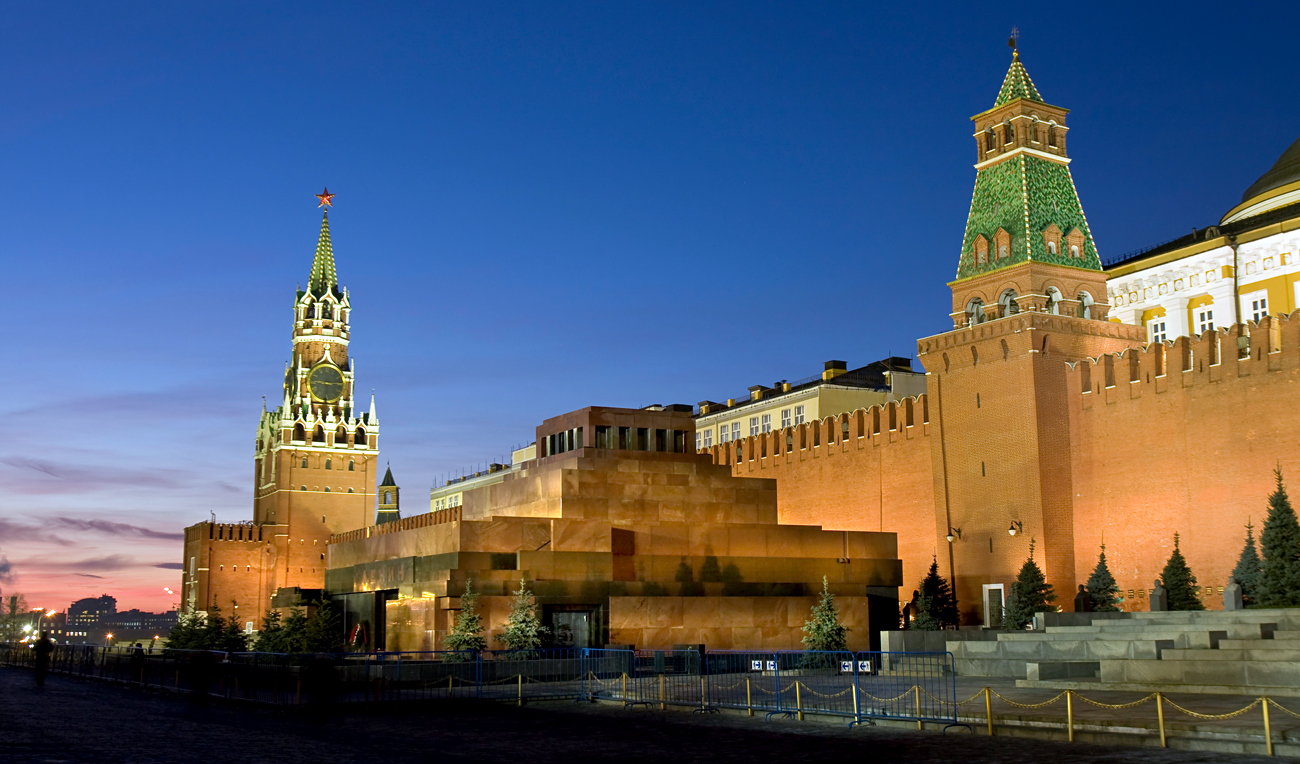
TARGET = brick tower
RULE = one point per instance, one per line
(1028, 298)
(314, 464)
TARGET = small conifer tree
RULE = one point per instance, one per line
(823, 630)
(1279, 571)
(1180, 583)
(1029, 594)
(467, 633)
(322, 632)
(937, 599)
(524, 629)
(1246, 574)
(1102, 588)
(924, 620)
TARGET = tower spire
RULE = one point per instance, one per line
(323, 277)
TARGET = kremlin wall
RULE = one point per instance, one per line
(1060, 412)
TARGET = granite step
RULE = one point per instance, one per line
(1256, 652)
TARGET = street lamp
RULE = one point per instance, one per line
(1016, 527)
(953, 534)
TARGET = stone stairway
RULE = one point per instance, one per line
(1209, 651)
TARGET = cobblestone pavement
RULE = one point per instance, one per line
(74, 721)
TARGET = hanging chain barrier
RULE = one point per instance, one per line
(860, 687)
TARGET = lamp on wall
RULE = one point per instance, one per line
(1016, 527)
(953, 534)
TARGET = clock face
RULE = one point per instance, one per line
(325, 383)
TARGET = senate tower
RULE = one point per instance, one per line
(315, 463)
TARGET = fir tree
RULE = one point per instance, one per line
(271, 637)
(1029, 594)
(1246, 574)
(1179, 582)
(184, 633)
(523, 630)
(232, 639)
(937, 598)
(823, 630)
(467, 633)
(323, 630)
(1279, 571)
(1102, 588)
(924, 619)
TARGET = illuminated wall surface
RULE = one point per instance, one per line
(652, 548)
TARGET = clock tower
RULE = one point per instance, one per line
(315, 457)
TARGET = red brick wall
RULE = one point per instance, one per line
(1189, 447)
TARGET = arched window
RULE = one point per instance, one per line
(319, 435)
(327, 489)
(1085, 305)
(989, 140)
(975, 311)
(341, 436)
(1008, 304)
(299, 434)
(1003, 251)
(388, 497)
(1074, 250)
(361, 438)
(1053, 301)
(1008, 133)
(349, 490)
(1033, 130)
(304, 462)
(351, 466)
(1051, 135)
(329, 464)
(303, 488)
(1051, 247)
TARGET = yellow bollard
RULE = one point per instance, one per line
(798, 700)
(449, 685)
(663, 705)
(1069, 714)
(988, 709)
(857, 705)
(917, 692)
(624, 687)
(702, 693)
(1268, 728)
(520, 700)
(749, 699)
(1160, 716)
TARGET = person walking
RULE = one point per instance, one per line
(137, 663)
(44, 647)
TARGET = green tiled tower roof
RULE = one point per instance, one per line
(323, 278)
(1024, 194)
(1017, 85)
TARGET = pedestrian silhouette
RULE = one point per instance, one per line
(44, 647)
(137, 663)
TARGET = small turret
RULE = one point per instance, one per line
(389, 500)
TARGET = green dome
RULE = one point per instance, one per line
(1285, 170)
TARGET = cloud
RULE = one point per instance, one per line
(6, 570)
(12, 531)
(106, 563)
(56, 478)
(87, 575)
(170, 565)
(110, 528)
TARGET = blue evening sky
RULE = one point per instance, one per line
(541, 206)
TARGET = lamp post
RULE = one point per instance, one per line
(1016, 527)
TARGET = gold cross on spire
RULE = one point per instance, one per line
(325, 197)
(1011, 42)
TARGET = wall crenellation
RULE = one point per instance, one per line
(881, 425)
(1241, 350)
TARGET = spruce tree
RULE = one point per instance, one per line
(1180, 583)
(524, 629)
(937, 598)
(1279, 571)
(467, 633)
(823, 630)
(1246, 574)
(924, 619)
(1102, 588)
(322, 632)
(1029, 594)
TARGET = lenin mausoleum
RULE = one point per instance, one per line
(1066, 400)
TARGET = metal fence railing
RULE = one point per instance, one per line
(856, 686)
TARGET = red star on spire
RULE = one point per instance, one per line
(325, 197)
